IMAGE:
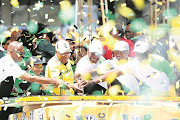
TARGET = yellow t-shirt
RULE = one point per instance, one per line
(56, 69)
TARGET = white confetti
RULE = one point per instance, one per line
(12, 12)
(34, 15)
(51, 20)
(5, 108)
(43, 104)
(1, 21)
(45, 98)
(24, 24)
(46, 16)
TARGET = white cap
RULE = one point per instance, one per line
(96, 46)
(62, 46)
(121, 46)
(141, 47)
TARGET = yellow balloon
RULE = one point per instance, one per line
(106, 28)
(14, 3)
(114, 90)
(175, 22)
(139, 4)
(111, 77)
(126, 12)
(86, 76)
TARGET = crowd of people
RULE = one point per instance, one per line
(46, 63)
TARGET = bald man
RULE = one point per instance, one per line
(10, 70)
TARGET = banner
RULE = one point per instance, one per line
(101, 112)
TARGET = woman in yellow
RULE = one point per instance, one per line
(59, 67)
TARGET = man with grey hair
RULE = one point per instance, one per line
(10, 70)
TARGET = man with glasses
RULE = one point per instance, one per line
(59, 67)
(88, 62)
(10, 70)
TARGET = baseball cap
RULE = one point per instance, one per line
(34, 60)
(121, 46)
(62, 46)
(141, 47)
(96, 46)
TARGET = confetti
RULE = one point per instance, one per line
(43, 104)
(51, 20)
(175, 22)
(126, 12)
(111, 77)
(172, 0)
(15, 3)
(33, 27)
(5, 108)
(29, 10)
(114, 90)
(169, 13)
(38, 6)
(46, 16)
(86, 76)
(138, 25)
(35, 87)
(139, 4)
(1, 21)
(97, 93)
(24, 24)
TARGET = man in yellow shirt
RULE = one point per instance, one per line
(59, 67)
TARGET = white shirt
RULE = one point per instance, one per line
(9, 68)
(128, 80)
(84, 65)
(148, 75)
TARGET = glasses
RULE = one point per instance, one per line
(39, 66)
(65, 54)
(20, 53)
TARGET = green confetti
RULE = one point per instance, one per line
(33, 27)
(35, 87)
(66, 16)
(17, 106)
(138, 25)
(170, 13)
(97, 93)
(52, 8)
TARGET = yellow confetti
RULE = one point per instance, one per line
(175, 22)
(106, 28)
(111, 77)
(29, 10)
(97, 21)
(15, 3)
(172, 91)
(139, 4)
(114, 90)
(86, 76)
(177, 84)
(126, 12)
(171, 0)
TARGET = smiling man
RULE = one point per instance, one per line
(90, 61)
(10, 70)
(59, 67)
